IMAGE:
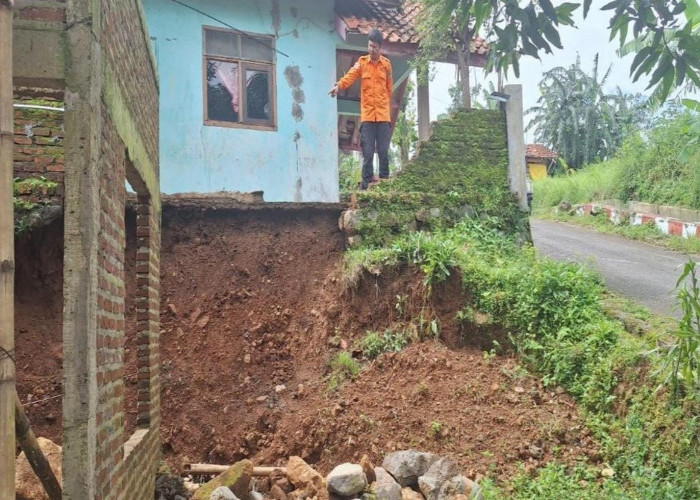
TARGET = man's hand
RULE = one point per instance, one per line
(334, 91)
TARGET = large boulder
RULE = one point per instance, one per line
(306, 479)
(27, 485)
(236, 478)
(346, 480)
(441, 471)
(385, 487)
(408, 465)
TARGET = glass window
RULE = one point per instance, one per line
(257, 94)
(222, 91)
(239, 79)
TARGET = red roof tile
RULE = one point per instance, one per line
(396, 22)
(539, 151)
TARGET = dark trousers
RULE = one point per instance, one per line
(374, 136)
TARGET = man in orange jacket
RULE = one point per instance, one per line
(377, 83)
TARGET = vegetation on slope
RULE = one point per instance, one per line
(658, 169)
(558, 326)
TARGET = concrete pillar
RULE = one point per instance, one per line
(82, 220)
(516, 143)
(423, 105)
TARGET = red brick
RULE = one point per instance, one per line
(22, 139)
(43, 14)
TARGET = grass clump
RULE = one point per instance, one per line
(343, 368)
(376, 343)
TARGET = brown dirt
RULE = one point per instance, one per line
(253, 299)
(38, 328)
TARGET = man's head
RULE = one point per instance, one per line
(374, 46)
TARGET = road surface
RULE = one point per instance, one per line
(639, 271)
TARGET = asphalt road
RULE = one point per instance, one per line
(639, 271)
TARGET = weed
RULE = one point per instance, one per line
(683, 359)
(422, 389)
(343, 368)
(376, 343)
(401, 304)
(435, 429)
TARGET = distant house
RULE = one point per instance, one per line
(244, 102)
(540, 160)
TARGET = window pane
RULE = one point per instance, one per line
(222, 91)
(256, 49)
(257, 94)
(221, 43)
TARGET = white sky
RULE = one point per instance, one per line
(589, 38)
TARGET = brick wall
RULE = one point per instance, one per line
(39, 149)
(126, 465)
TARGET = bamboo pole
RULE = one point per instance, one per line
(7, 264)
(207, 469)
(36, 458)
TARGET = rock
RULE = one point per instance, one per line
(27, 485)
(564, 206)
(607, 472)
(385, 487)
(346, 479)
(441, 471)
(203, 322)
(422, 215)
(277, 493)
(408, 465)
(246, 359)
(172, 309)
(354, 241)
(307, 481)
(236, 478)
(409, 494)
(222, 493)
(458, 485)
(280, 388)
(368, 469)
(468, 212)
(255, 495)
(435, 213)
(349, 221)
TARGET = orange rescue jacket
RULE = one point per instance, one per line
(377, 84)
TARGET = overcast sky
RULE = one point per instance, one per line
(589, 38)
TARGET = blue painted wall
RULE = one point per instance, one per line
(299, 161)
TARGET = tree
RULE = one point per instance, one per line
(405, 135)
(671, 29)
(447, 28)
(578, 119)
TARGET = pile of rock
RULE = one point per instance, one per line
(404, 475)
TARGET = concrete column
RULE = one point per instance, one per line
(516, 144)
(83, 133)
(423, 105)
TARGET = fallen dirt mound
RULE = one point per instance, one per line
(253, 309)
(254, 306)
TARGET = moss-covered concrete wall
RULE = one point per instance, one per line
(461, 172)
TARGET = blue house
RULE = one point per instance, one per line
(244, 102)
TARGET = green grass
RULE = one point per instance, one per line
(343, 368)
(644, 232)
(562, 328)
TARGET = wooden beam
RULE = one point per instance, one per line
(210, 469)
(7, 260)
(36, 458)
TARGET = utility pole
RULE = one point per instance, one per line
(7, 260)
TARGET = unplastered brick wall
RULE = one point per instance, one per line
(128, 53)
(126, 465)
(38, 147)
